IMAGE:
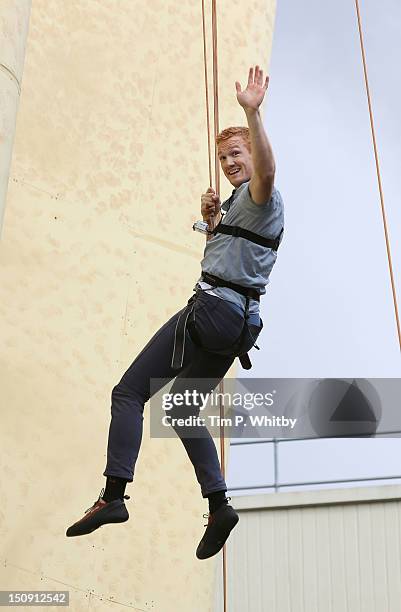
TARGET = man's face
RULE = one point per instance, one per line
(236, 160)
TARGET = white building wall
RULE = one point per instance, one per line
(316, 551)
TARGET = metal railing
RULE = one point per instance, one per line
(277, 485)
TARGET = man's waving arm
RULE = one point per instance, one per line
(262, 180)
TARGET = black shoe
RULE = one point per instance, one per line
(99, 514)
(218, 529)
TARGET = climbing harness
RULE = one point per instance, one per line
(186, 324)
(214, 281)
(248, 292)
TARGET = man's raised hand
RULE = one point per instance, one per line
(252, 96)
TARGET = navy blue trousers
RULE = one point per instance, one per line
(218, 323)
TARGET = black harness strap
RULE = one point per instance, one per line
(216, 281)
(239, 232)
(179, 335)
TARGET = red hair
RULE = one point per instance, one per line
(242, 132)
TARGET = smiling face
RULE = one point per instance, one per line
(236, 160)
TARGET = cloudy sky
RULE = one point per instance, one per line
(329, 309)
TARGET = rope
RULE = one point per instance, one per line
(365, 72)
(217, 182)
(216, 96)
(217, 190)
(207, 93)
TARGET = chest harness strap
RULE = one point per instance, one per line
(240, 232)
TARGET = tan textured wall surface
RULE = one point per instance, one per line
(14, 20)
(97, 251)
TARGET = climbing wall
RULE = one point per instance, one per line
(109, 163)
(14, 20)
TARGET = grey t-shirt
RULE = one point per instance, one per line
(237, 259)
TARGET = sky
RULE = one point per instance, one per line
(329, 310)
